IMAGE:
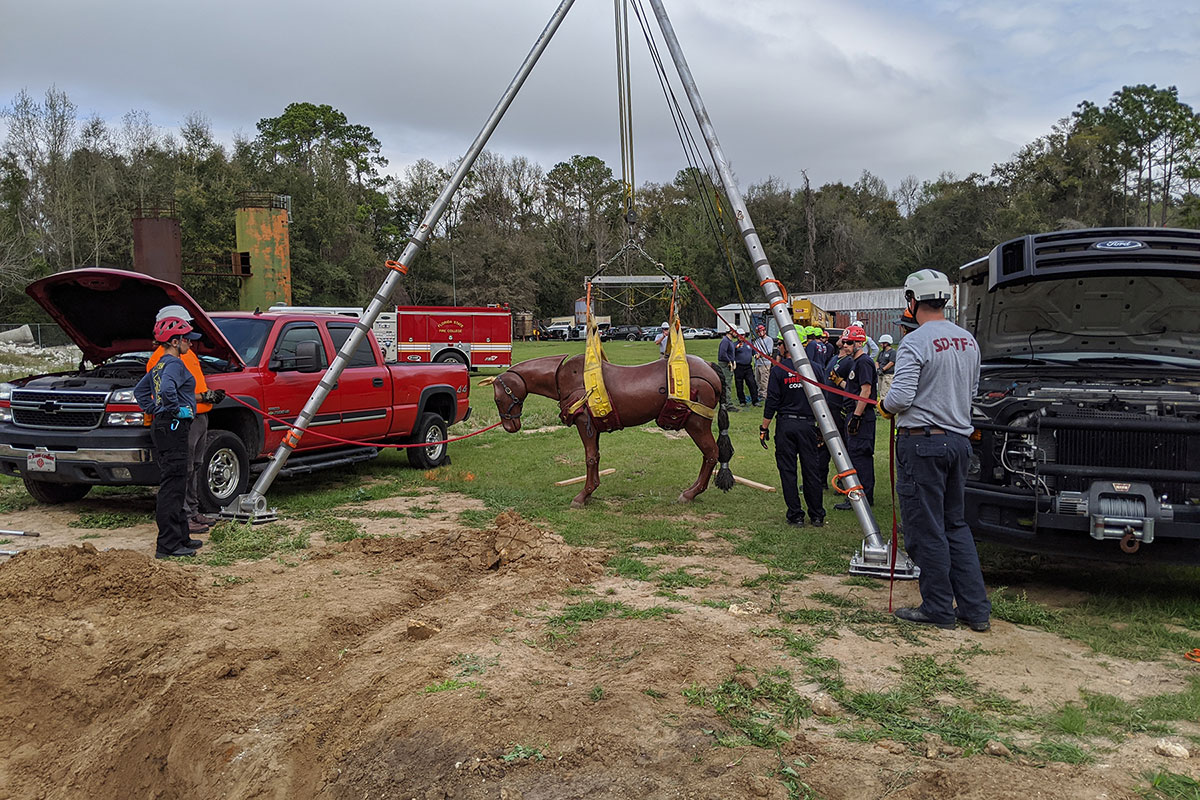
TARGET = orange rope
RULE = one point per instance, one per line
(837, 488)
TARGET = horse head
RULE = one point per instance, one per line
(510, 391)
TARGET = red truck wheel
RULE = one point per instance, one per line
(225, 471)
(430, 428)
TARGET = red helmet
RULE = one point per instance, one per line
(762, 328)
(854, 333)
(168, 328)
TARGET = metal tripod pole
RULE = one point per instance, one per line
(875, 557)
(253, 505)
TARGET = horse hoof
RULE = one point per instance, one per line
(683, 498)
(577, 503)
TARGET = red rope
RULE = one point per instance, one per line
(895, 527)
(333, 438)
(824, 387)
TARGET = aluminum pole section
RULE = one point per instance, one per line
(253, 505)
(874, 548)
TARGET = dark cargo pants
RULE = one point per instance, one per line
(170, 440)
(860, 447)
(931, 477)
(797, 437)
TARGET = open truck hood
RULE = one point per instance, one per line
(107, 312)
(1123, 292)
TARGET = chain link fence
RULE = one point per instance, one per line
(33, 334)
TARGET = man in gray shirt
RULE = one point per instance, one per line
(937, 375)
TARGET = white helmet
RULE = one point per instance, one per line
(927, 284)
(741, 332)
(173, 311)
(665, 325)
(885, 339)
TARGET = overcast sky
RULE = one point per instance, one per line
(897, 87)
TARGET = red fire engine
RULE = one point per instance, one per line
(472, 335)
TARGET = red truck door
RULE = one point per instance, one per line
(289, 389)
(363, 396)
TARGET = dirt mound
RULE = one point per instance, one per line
(514, 543)
(458, 663)
(82, 573)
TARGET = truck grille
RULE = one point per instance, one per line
(1128, 449)
(58, 410)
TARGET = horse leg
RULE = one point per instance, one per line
(591, 452)
(700, 429)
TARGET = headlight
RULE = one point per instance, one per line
(5, 415)
(122, 396)
(6, 390)
(126, 418)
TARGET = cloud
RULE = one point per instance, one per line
(825, 86)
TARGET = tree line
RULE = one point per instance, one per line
(527, 236)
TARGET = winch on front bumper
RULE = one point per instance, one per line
(1056, 477)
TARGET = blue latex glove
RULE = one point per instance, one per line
(185, 412)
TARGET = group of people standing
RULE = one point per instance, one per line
(926, 385)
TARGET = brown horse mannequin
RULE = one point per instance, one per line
(638, 394)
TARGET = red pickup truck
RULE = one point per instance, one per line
(67, 432)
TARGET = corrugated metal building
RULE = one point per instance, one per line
(876, 308)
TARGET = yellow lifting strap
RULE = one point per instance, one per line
(594, 393)
(679, 379)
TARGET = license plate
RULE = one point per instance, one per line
(41, 462)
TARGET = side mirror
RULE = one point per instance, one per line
(308, 357)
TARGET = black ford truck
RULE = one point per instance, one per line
(1087, 422)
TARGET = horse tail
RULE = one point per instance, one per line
(724, 443)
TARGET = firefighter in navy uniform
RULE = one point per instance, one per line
(168, 391)
(856, 374)
(937, 376)
(796, 437)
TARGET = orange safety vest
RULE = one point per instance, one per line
(192, 362)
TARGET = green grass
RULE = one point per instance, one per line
(522, 752)
(230, 542)
(336, 529)
(1065, 752)
(449, 685)
(474, 518)
(758, 711)
(472, 664)
(563, 626)
(1169, 786)
(680, 578)
(1020, 610)
(630, 567)
(837, 600)
(110, 519)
